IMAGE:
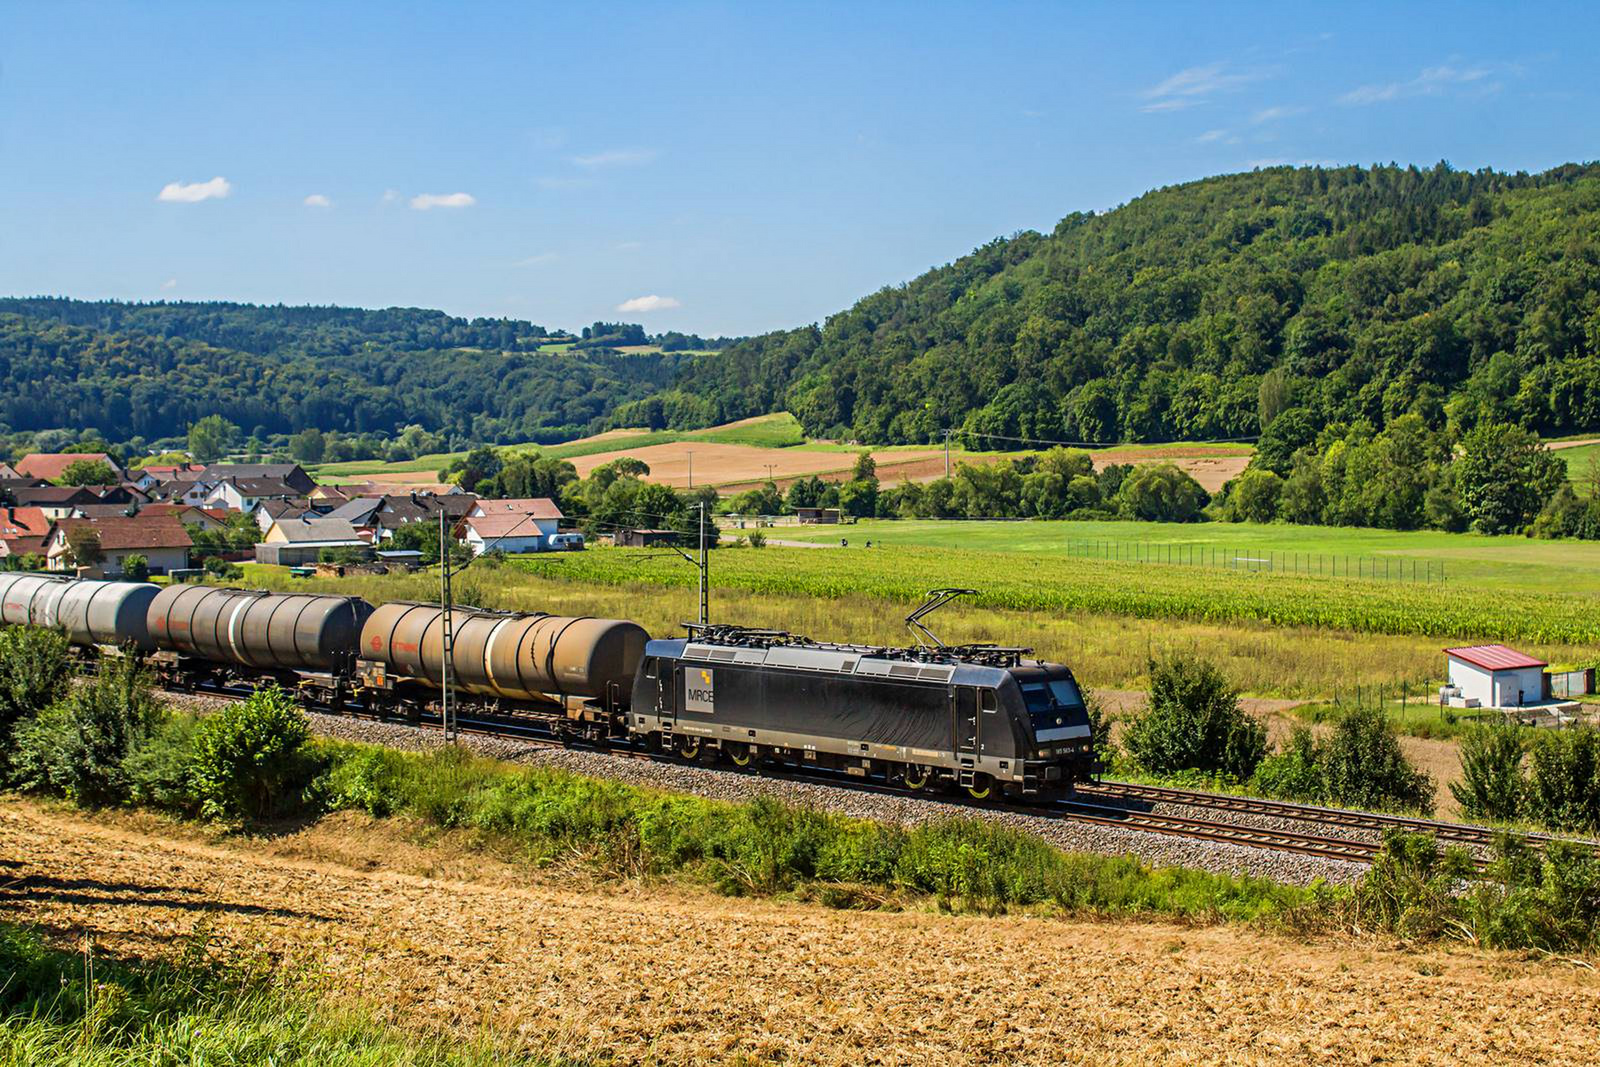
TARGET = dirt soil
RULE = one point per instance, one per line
(640, 973)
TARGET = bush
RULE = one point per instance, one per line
(1363, 766)
(251, 760)
(222, 570)
(1194, 722)
(34, 671)
(1411, 888)
(1563, 788)
(1492, 781)
(79, 747)
(1295, 773)
(756, 539)
(160, 766)
(135, 568)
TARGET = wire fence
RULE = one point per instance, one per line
(1269, 561)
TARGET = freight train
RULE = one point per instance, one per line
(975, 717)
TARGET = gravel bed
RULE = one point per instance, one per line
(717, 784)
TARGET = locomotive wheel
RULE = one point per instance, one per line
(689, 747)
(741, 755)
(916, 777)
(982, 787)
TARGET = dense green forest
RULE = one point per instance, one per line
(1205, 311)
(150, 370)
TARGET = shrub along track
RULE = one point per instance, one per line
(1277, 826)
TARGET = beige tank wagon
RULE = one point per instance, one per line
(510, 656)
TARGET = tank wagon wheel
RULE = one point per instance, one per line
(689, 747)
(982, 787)
(916, 777)
(741, 755)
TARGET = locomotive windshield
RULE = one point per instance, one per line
(1055, 707)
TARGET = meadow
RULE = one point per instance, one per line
(1107, 649)
(1466, 561)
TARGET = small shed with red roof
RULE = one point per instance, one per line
(1496, 676)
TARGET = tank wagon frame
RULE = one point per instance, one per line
(979, 717)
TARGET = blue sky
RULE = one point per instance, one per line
(706, 167)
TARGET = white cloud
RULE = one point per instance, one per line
(536, 260)
(1433, 81)
(1272, 114)
(194, 192)
(616, 157)
(170, 283)
(1215, 135)
(429, 201)
(390, 196)
(1194, 85)
(317, 200)
(649, 303)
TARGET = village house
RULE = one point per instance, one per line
(23, 531)
(245, 494)
(527, 525)
(161, 540)
(290, 474)
(56, 501)
(299, 541)
(206, 519)
(52, 465)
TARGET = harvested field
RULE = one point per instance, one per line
(636, 972)
(1211, 467)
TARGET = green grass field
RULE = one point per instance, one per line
(1468, 561)
(1580, 462)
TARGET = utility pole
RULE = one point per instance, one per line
(690, 451)
(705, 566)
(947, 434)
(770, 467)
(447, 631)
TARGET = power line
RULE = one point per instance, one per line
(1094, 444)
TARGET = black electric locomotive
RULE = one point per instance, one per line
(979, 717)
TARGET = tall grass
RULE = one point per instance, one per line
(765, 847)
(1105, 650)
(206, 1007)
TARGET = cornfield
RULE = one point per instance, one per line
(1067, 586)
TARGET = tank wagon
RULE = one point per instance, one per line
(94, 613)
(509, 661)
(977, 717)
(205, 635)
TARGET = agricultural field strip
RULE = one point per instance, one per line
(1074, 586)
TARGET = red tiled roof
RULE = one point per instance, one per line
(1494, 657)
(50, 465)
(154, 531)
(539, 507)
(23, 522)
(497, 525)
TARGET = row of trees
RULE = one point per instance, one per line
(1498, 478)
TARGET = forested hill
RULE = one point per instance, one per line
(1202, 310)
(149, 370)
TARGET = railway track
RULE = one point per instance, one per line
(1106, 803)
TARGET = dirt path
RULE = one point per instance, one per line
(651, 974)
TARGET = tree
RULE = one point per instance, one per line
(1492, 781)
(859, 497)
(88, 472)
(211, 437)
(308, 446)
(83, 547)
(866, 468)
(1194, 722)
(1504, 476)
(1254, 497)
(1161, 492)
(135, 567)
(806, 492)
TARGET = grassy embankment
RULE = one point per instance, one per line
(205, 1007)
(1277, 635)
